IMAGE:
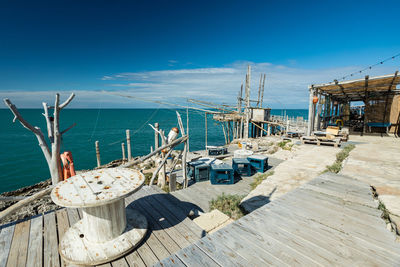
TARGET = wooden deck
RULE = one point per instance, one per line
(34, 242)
(332, 220)
(200, 194)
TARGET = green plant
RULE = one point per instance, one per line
(229, 205)
(283, 143)
(273, 150)
(385, 212)
(335, 167)
(340, 157)
(288, 147)
(259, 178)
(147, 178)
(165, 188)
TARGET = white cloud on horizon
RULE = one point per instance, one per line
(286, 86)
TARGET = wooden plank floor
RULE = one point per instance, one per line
(198, 195)
(332, 220)
(34, 242)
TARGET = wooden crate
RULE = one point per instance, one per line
(221, 174)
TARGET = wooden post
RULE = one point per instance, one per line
(156, 136)
(128, 144)
(187, 129)
(185, 149)
(269, 130)
(310, 111)
(223, 129)
(97, 153)
(172, 182)
(123, 151)
(205, 123)
(247, 110)
(262, 91)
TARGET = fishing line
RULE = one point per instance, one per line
(97, 120)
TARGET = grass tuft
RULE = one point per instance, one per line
(283, 143)
(229, 205)
(340, 157)
(259, 178)
(385, 212)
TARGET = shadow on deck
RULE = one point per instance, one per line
(34, 241)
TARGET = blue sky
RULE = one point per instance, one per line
(173, 50)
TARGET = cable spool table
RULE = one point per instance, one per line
(106, 231)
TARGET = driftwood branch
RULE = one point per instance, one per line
(69, 128)
(184, 171)
(161, 133)
(49, 121)
(24, 202)
(159, 167)
(18, 116)
(180, 123)
(36, 130)
(175, 161)
(171, 145)
(63, 105)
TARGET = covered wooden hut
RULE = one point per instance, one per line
(330, 103)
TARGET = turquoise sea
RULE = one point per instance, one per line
(22, 162)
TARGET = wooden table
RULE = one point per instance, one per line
(105, 231)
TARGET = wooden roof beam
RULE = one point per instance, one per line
(366, 86)
(341, 87)
(394, 78)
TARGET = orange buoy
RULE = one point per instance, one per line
(315, 100)
(68, 165)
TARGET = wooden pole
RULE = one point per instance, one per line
(187, 129)
(205, 123)
(128, 144)
(123, 151)
(310, 110)
(172, 182)
(223, 129)
(259, 91)
(228, 129)
(156, 136)
(247, 90)
(97, 153)
(262, 91)
(185, 149)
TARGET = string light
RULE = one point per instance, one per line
(368, 68)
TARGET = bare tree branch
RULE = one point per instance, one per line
(63, 105)
(36, 130)
(180, 123)
(18, 116)
(159, 167)
(48, 121)
(69, 128)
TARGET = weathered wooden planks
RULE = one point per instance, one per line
(50, 244)
(331, 220)
(6, 236)
(35, 247)
(19, 246)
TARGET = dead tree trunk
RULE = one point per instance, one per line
(52, 155)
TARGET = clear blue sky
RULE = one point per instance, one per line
(139, 47)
